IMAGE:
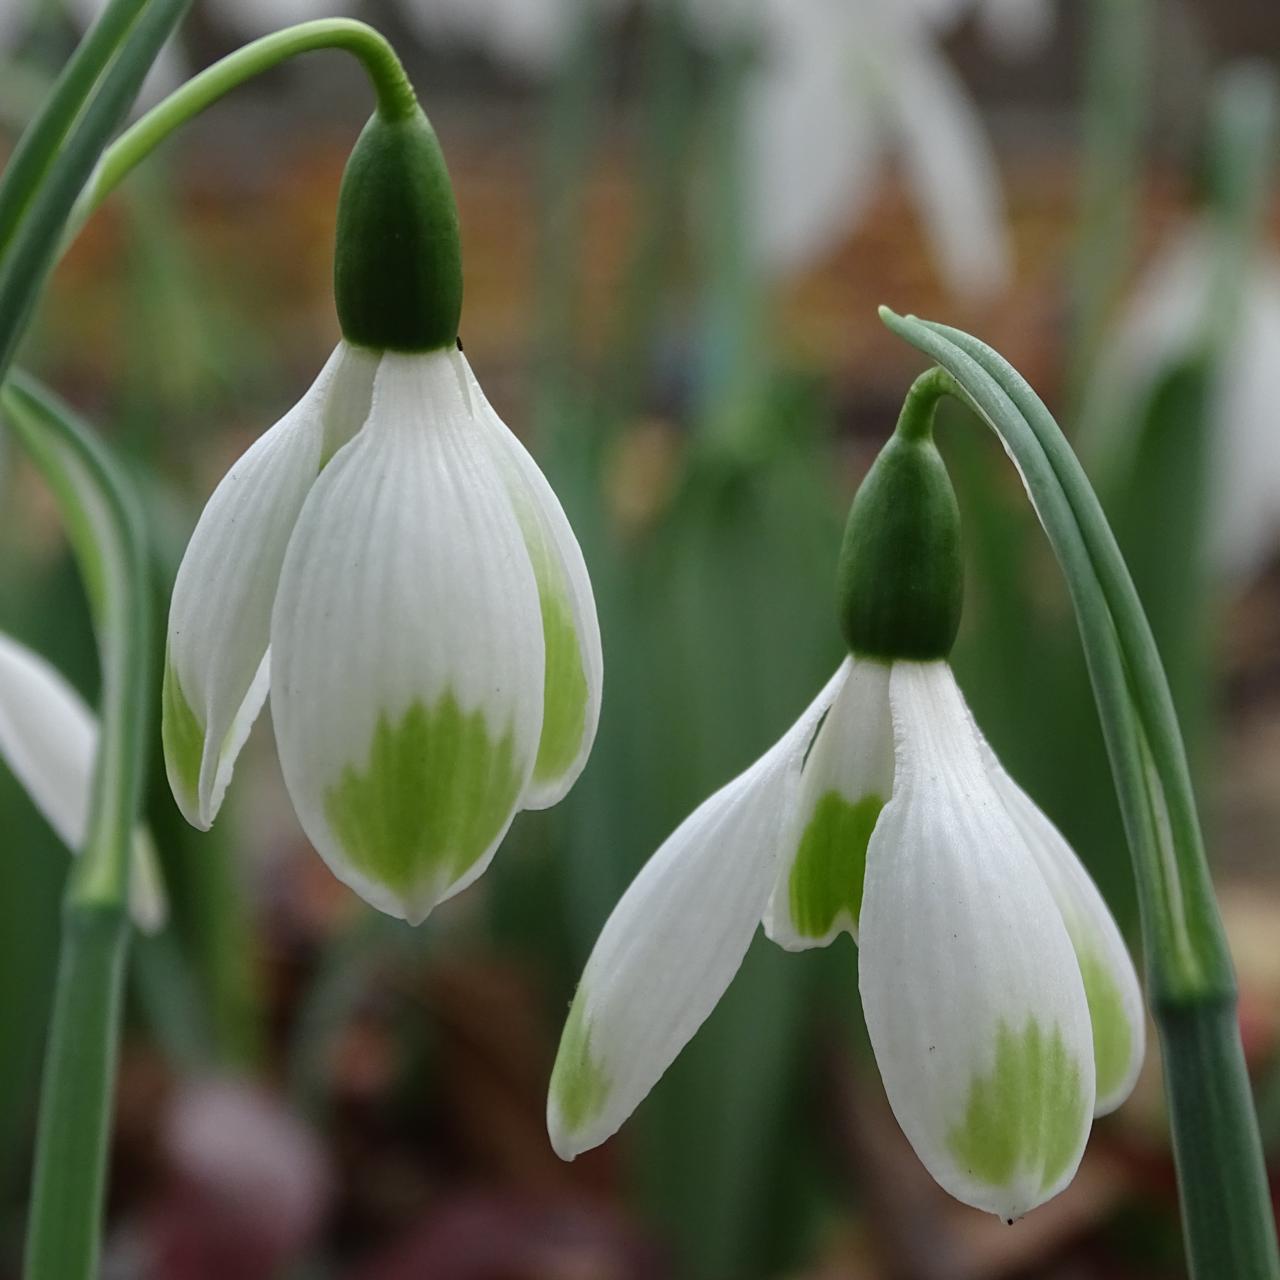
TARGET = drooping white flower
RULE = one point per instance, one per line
(391, 563)
(49, 738)
(1165, 322)
(839, 87)
(1002, 1007)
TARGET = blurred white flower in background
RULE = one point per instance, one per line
(1166, 321)
(840, 86)
(530, 35)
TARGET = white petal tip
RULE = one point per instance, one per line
(563, 1144)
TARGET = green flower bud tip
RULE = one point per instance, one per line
(900, 578)
(398, 260)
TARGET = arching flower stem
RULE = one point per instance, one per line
(396, 98)
(80, 1064)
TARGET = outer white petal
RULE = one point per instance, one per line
(846, 781)
(950, 164)
(1110, 982)
(812, 140)
(571, 630)
(49, 739)
(406, 648)
(972, 994)
(672, 945)
(220, 615)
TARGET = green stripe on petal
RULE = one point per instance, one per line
(564, 689)
(830, 863)
(436, 792)
(1112, 1035)
(182, 734)
(1027, 1114)
(579, 1085)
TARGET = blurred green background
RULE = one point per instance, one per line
(678, 218)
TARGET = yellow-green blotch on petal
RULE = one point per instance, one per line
(1027, 1114)
(436, 792)
(182, 735)
(827, 875)
(564, 688)
(579, 1085)
(1112, 1035)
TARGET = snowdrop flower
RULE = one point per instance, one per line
(1002, 1006)
(392, 565)
(49, 738)
(1165, 322)
(840, 85)
(531, 35)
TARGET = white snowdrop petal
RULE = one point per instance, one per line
(1110, 981)
(846, 781)
(812, 143)
(672, 945)
(574, 670)
(972, 994)
(219, 618)
(406, 648)
(951, 166)
(49, 738)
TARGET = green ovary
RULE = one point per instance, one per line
(1112, 1035)
(1027, 1115)
(564, 687)
(435, 793)
(578, 1082)
(831, 863)
(181, 733)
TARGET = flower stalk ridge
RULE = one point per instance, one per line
(389, 563)
(1003, 1008)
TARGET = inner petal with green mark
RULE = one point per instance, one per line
(831, 862)
(1112, 1034)
(182, 735)
(564, 688)
(1026, 1116)
(436, 791)
(579, 1085)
